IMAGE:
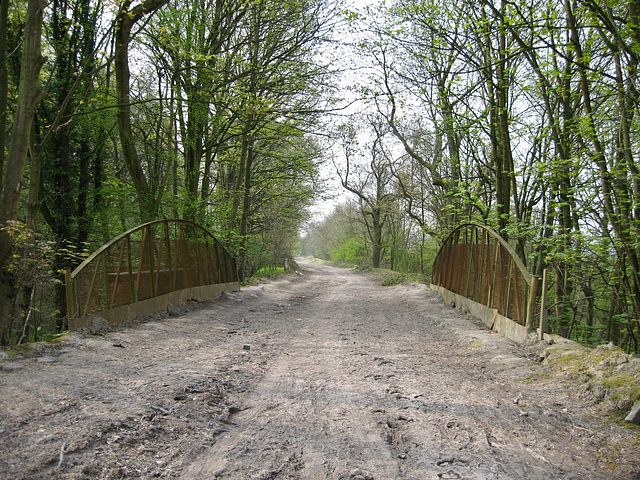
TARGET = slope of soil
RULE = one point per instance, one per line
(323, 375)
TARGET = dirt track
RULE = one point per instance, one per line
(322, 375)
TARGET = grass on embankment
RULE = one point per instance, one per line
(606, 376)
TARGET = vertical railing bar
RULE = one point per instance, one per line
(158, 246)
(448, 268)
(445, 264)
(434, 269)
(480, 265)
(177, 256)
(478, 251)
(232, 268)
(193, 272)
(452, 254)
(221, 276)
(469, 260)
(184, 255)
(228, 267)
(456, 280)
(209, 264)
(116, 281)
(198, 259)
(482, 252)
(91, 287)
(444, 271)
(508, 289)
(531, 304)
(225, 258)
(151, 244)
(484, 287)
(542, 329)
(132, 289)
(106, 278)
(516, 297)
(172, 282)
(441, 256)
(493, 274)
(76, 296)
(140, 263)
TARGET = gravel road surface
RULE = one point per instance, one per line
(321, 375)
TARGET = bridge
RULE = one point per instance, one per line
(169, 262)
(146, 269)
(478, 271)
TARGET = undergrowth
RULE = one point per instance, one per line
(389, 278)
(263, 274)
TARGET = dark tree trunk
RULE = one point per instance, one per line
(29, 96)
(147, 202)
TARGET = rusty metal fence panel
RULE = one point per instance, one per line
(477, 263)
(148, 261)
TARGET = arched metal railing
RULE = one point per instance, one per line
(149, 261)
(477, 263)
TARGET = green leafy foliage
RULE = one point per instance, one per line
(522, 117)
(352, 251)
(342, 238)
(31, 269)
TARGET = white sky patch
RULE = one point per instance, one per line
(355, 72)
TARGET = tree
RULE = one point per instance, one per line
(340, 236)
(276, 97)
(526, 113)
(128, 16)
(370, 183)
(62, 149)
(196, 46)
(29, 97)
(4, 80)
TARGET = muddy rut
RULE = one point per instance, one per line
(322, 375)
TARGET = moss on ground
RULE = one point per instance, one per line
(610, 376)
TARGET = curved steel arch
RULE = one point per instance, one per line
(146, 269)
(476, 263)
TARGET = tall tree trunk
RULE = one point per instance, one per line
(33, 207)
(147, 203)
(4, 80)
(376, 237)
(618, 217)
(246, 208)
(29, 96)
(33, 199)
(197, 111)
(504, 172)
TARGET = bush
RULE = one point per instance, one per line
(352, 251)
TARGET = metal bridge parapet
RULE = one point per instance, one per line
(146, 269)
(475, 263)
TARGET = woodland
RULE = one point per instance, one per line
(239, 114)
